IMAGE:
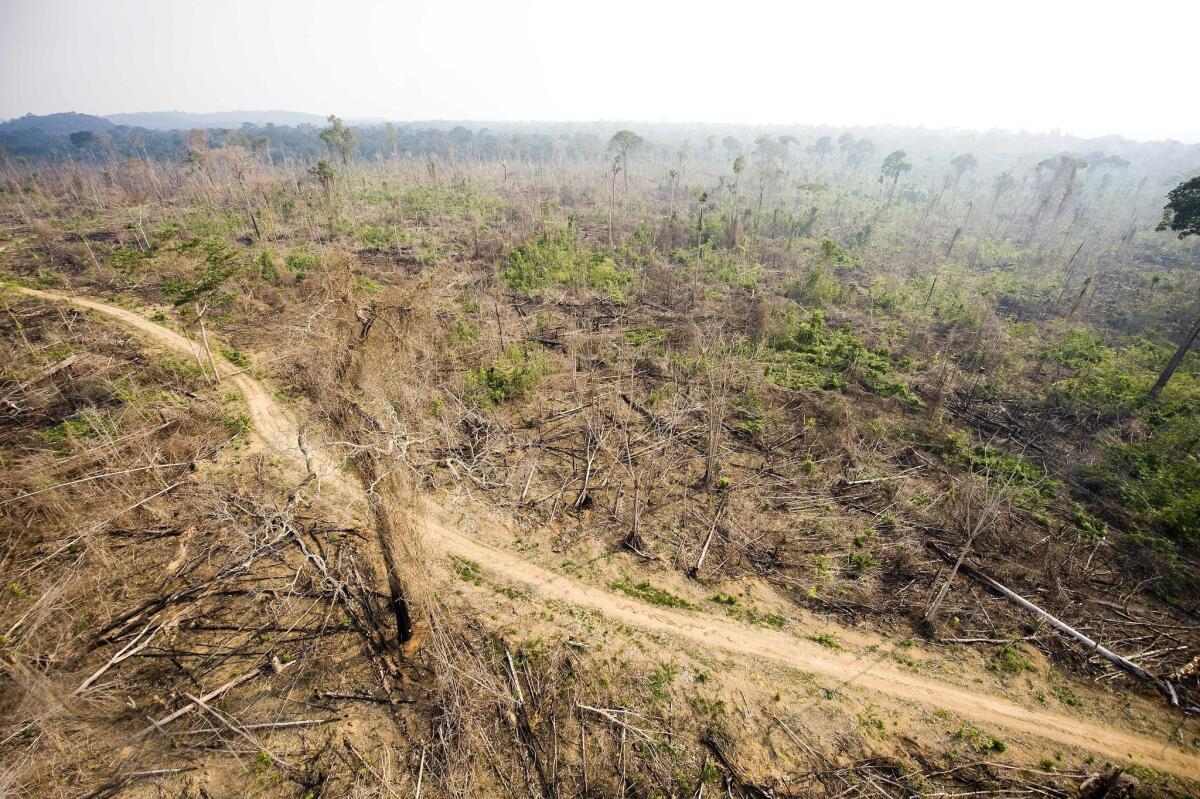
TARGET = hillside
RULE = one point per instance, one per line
(55, 124)
(182, 120)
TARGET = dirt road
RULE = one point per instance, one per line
(278, 431)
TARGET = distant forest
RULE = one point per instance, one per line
(59, 137)
(93, 139)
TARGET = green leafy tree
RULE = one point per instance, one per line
(860, 153)
(339, 139)
(963, 164)
(1182, 211)
(821, 148)
(733, 147)
(622, 144)
(1182, 215)
(895, 165)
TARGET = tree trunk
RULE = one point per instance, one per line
(204, 340)
(1176, 359)
(1125, 665)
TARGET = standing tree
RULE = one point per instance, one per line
(822, 148)
(860, 153)
(339, 139)
(962, 165)
(846, 144)
(769, 155)
(81, 137)
(622, 144)
(733, 147)
(1182, 215)
(893, 167)
(731, 233)
(612, 201)
(1003, 184)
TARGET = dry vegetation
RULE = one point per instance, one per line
(777, 426)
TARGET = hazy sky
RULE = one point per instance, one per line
(1089, 68)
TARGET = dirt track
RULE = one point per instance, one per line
(279, 432)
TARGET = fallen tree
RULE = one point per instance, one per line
(1129, 667)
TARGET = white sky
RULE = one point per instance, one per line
(1089, 68)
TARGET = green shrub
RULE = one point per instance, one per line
(1011, 660)
(220, 262)
(1157, 480)
(816, 290)
(650, 594)
(375, 236)
(236, 358)
(638, 338)
(129, 261)
(302, 261)
(554, 258)
(810, 355)
(268, 269)
(510, 378)
(860, 562)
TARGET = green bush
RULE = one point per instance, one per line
(1158, 481)
(302, 261)
(554, 258)
(810, 355)
(511, 377)
(220, 262)
(816, 290)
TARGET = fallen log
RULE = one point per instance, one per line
(270, 667)
(1128, 666)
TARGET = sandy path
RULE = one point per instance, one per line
(278, 431)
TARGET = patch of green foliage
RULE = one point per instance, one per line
(1109, 382)
(554, 258)
(1032, 487)
(268, 268)
(467, 570)
(808, 354)
(860, 562)
(1089, 526)
(510, 378)
(237, 423)
(638, 338)
(301, 261)
(1157, 480)
(650, 594)
(458, 199)
(85, 425)
(236, 358)
(1011, 660)
(725, 267)
(826, 640)
(220, 262)
(817, 290)
(129, 261)
(375, 236)
(978, 740)
(661, 678)
(834, 253)
(464, 332)
(214, 223)
(750, 615)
